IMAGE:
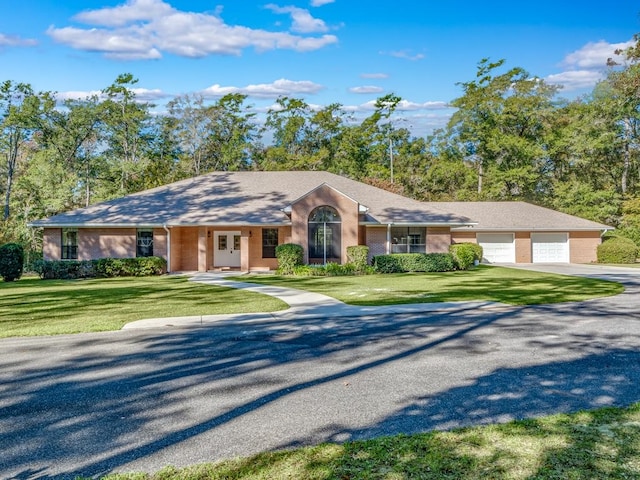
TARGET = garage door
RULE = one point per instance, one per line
(549, 248)
(497, 247)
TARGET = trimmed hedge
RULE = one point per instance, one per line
(103, 267)
(464, 255)
(617, 250)
(414, 262)
(290, 256)
(11, 261)
(358, 256)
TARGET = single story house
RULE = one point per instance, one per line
(235, 220)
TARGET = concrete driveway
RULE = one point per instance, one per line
(141, 399)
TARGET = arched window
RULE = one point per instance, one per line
(325, 227)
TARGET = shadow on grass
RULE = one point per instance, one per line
(126, 397)
(504, 285)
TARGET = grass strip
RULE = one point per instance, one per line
(32, 306)
(603, 443)
(495, 284)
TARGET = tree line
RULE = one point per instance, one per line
(510, 138)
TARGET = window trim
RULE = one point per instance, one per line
(139, 252)
(269, 251)
(68, 250)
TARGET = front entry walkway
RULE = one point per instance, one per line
(303, 304)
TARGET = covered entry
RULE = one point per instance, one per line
(325, 228)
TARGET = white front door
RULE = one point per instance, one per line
(226, 249)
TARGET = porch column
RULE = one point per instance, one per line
(244, 249)
(202, 249)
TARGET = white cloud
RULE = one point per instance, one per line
(575, 79)
(403, 106)
(319, 3)
(144, 29)
(131, 11)
(594, 54)
(404, 54)
(586, 66)
(374, 75)
(15, 41)
(366, 89)
(302, 20)
(282, 87)
(141, 95)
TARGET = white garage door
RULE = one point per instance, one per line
(549, 248)
(497, 247)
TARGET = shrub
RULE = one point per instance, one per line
(414, 262)
(358, 256)
(64, 269)
(103, 267)
(11, 261)
(464, 255)
(617, 250)
(335, 269)
(289, 255)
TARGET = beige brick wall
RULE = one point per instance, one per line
(160, 243)
(52, 243)
(184, 249)
(325, 195)
(376, 241)
(106, 243)
(583, 246)
(523, 247)
(463, 237)
(255, 248)
(438, 239)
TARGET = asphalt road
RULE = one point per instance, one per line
(138, 400)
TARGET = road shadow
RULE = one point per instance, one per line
(117, 398)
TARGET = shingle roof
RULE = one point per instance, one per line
(514, 216)
(247, 198)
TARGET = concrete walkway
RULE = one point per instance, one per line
(303, 304)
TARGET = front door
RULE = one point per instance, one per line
(226, 249)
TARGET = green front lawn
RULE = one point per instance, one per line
(496, 284)
(587, 445)
(46, 307)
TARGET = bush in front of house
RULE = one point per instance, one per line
(63, 269)
(617, 250)
(414, 262)
(465, 254)
(358, 256)
(290, 256)
(103, 267)
(129, 267)
(11, 261)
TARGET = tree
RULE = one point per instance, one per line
(501, 126)
(19, 108)
(127, 131)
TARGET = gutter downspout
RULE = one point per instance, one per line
(168, 247)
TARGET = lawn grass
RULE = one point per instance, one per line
(596, 444)
(496, 284)
(32, 306)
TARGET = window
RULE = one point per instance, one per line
(269, 242)
(408, 240)
(324, 235)
(69, 244)
(144, 244)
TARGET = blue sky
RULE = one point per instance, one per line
(324, 51)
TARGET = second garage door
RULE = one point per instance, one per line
(497, 247)
(549, 248)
